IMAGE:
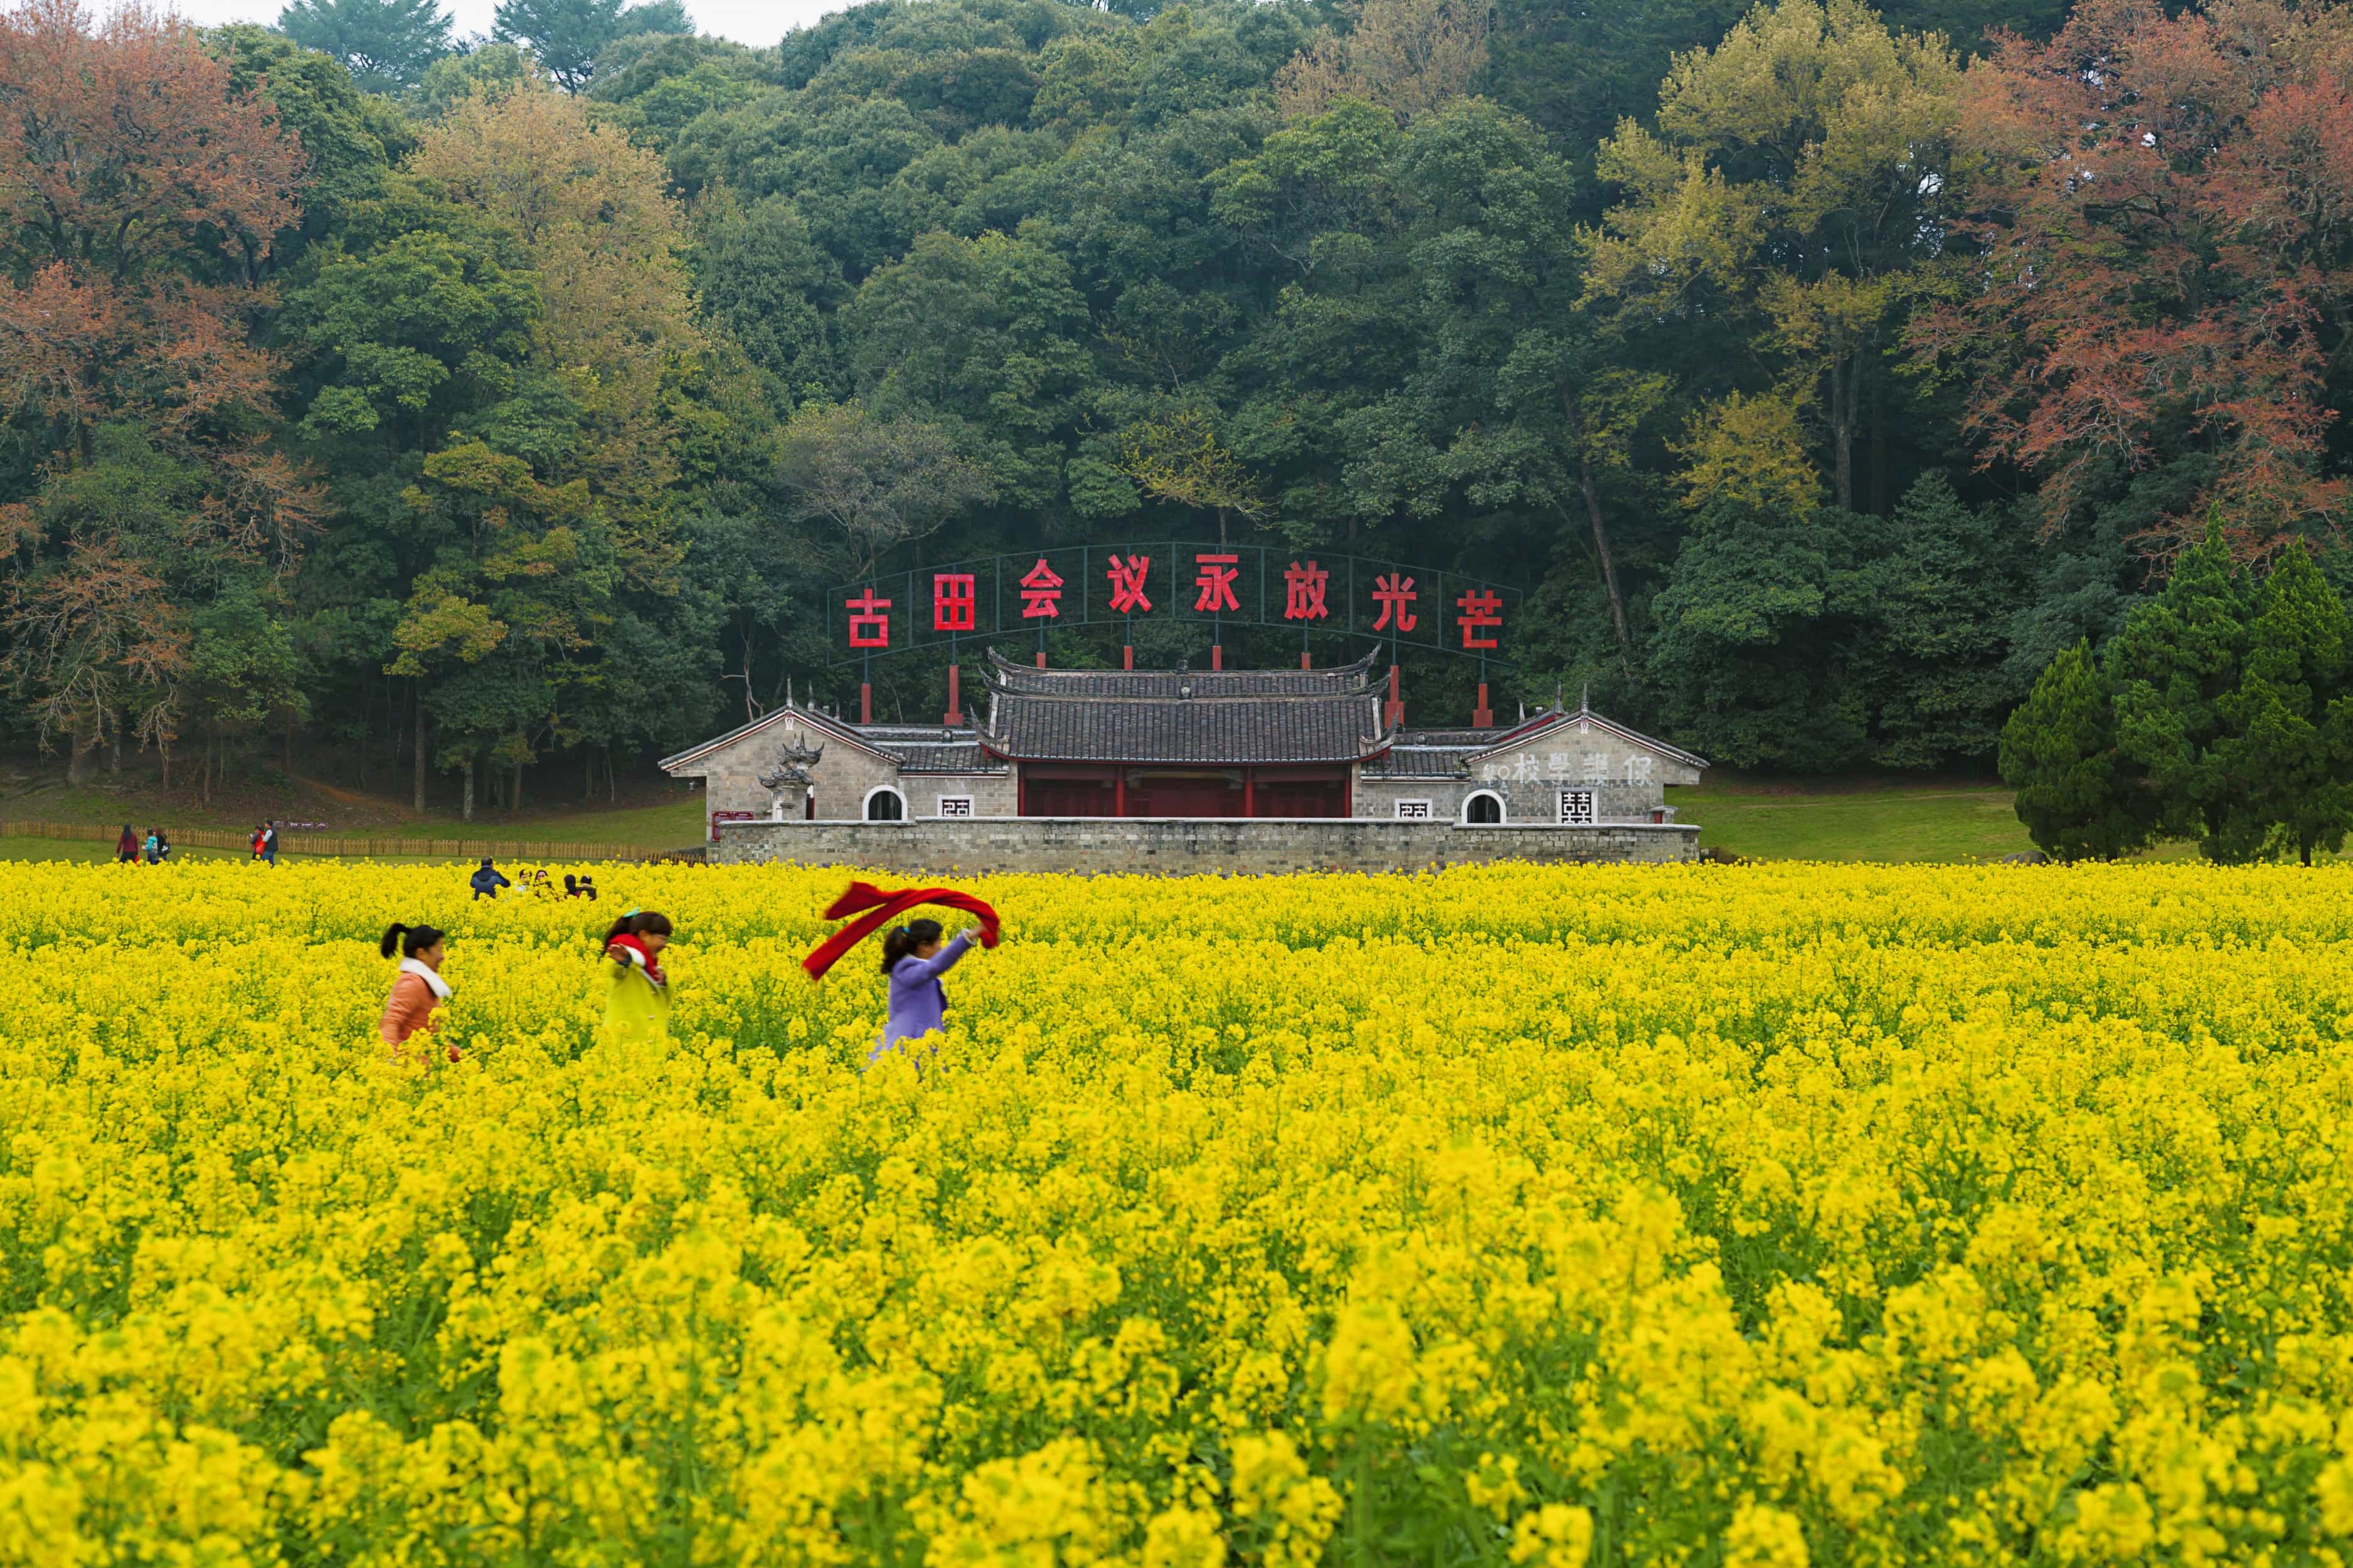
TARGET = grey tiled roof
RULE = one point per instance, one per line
(1347, 679)
(1411, 758)
(1217, 730)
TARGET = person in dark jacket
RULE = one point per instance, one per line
(487, 881)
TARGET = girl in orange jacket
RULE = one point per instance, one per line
(418, 990)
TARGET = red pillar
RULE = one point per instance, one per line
(866, 703)
(1249, 792)
(1020, 792)
(1304, 662)
(955, 715)
(1041, 658)
(1119, 793)
(1482, 716)
(1217, 656)
(1393, 711)
(1349, 793)
(1127, 657)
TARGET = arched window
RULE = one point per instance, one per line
(884, 804)
(1483, 806)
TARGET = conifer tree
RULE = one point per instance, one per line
(2177, 656)
(2078, 798)
(2285, 764)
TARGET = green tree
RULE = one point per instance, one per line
(2286, 758)
(2177, 659)
(2079, 797)
(879, 481)
(244, 676)
(567, 37)
(1800, 173)
(387, 44)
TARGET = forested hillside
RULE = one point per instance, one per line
(499, 415)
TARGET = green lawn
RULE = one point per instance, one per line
(1851, 821)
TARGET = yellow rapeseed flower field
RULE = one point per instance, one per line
(1515, 1216)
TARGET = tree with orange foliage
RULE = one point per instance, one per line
(140, 196)
(2165, 225)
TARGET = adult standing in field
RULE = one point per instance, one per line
(270, 842)
(418, 990)
(486, 881)
(127, 846)
(636, 990)
(254, 844)
(914, 958)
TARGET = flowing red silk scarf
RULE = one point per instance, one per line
(882, 908)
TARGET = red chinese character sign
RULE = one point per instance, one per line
(1394, 593)
(1064, 588)
(1215, 584)
(1303, 592)
(1041, 593)
(951, 601)
(1482, 610)
(870, 621)
(1127, 584)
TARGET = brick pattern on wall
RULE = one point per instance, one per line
(1146, 846)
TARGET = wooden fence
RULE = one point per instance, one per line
(541, 850)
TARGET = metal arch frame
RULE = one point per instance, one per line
(1174, 595)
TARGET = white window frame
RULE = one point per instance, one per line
(1429, 812)
(962, 801)
(1592, 818)
(1503, 809)
(866, 805)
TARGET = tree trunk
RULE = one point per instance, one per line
(1846, 382)
(420, 752)
(78, 747)
(289, 746)
(114, 759)
(588, 789)
(468, 813)
(514, 791)
(207, 768)
(163, 746)
(1600, 538)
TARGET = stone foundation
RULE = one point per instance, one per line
(1189, 847)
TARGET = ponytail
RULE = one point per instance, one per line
(901, 942)
(410, 940)
(638, 922)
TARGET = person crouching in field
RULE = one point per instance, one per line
(637, 992)
(418, 989)
(914, 959)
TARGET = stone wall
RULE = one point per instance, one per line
(1172, 846)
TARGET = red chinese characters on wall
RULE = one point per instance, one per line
(1482, 610)
(1042, 593)
(870, 621)
(951, 601)
(1127, 584)
(1394, 593)
(1216, 583)
(1303, 592)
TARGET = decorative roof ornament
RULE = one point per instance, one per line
(794, 762)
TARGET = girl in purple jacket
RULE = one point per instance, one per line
(914, 958)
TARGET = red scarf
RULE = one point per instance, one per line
(882, 909)
(653, 969)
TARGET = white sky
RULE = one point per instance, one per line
(746, 21)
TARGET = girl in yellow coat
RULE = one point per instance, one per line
(636, 992)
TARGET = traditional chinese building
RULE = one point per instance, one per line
(1181, 749)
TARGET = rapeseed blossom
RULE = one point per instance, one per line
(1533, 1217)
